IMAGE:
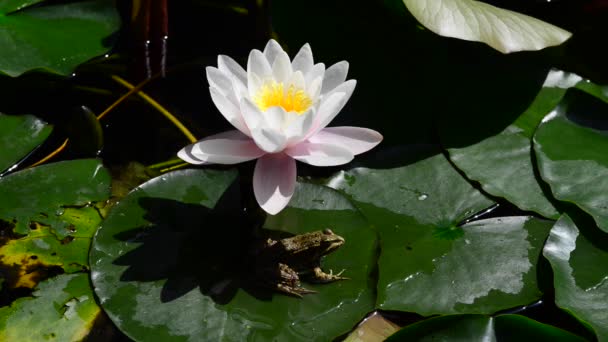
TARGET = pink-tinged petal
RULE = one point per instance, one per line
(303, 60)
(229, 66)
(229, 110)
(217, 79)
(281, 68)
(271, 50)
(269, 140)
(229, 147)
(355, 139)
(320, 154)
(334, 76)
(274, 181)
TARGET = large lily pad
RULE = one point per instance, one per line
(578, 258)
(431, 263)
(62, 309)
(18, 136)
(504, 165)
(482, 328)
(54, 37)
(571, 152)
(172, 262)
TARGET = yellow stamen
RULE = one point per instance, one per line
(291, 98)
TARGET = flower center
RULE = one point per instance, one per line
(291, 98)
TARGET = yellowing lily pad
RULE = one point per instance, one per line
(61, 309)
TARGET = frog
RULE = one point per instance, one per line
(280, 264)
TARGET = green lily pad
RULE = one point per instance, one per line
(172, 262)
(62, 309)
(503, 164)
(482, 267)
(56, 37)
(432, 263)
(482, 328)
(41, 194)
(572, 156)
(578, 258)
(18, 136)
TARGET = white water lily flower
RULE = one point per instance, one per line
(280, 108)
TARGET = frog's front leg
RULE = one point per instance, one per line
(322, 277)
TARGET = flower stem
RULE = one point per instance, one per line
(158, 107)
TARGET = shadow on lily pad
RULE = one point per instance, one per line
(192, 246)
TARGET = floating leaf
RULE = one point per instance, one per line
(41, 194)
(43, 247)
(54, 37)
(503, 164)
(482, 328)
(39, 206)
(504, 30)
(430, 263)
(172, 261)
(572, 155)
(62, 309)
(18, 136)
(578, 258)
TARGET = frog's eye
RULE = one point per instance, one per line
(327, 231)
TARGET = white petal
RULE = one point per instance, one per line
(314, 88)
(229, 110)
(334, 76)
(258, 64)
(269, 140)
(355, 139)
(298, 126)
(271, 50)
(254, 82)
(281, 68)
(251, 114)
(219, 80)
(274, 181)
(504, 30)
(229, 66)
(332, 104)
(274, 118)
(303, 60)
(229, 147)
(320, 154)
(297, 79)
(317, 71)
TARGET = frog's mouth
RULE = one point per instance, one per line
(337, 242)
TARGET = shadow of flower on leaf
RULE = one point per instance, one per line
(190, 246)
